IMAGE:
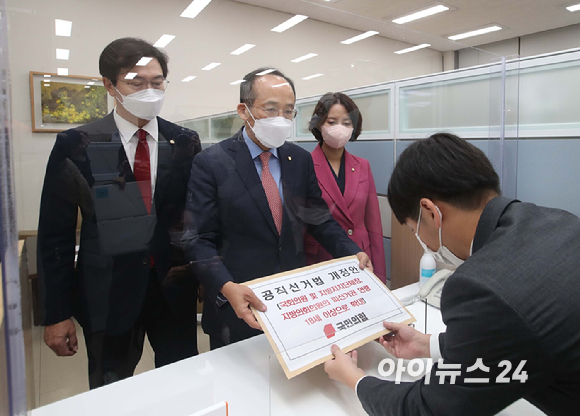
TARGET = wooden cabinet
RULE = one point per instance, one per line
(406, 254)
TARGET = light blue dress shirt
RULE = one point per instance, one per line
(273, 163)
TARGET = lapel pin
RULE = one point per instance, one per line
(353, 169)
(289, 157)
(172, 141)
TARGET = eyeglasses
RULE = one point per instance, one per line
(274, 112)
(139, 84)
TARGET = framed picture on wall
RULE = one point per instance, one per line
(61, 102)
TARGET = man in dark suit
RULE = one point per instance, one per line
(511, 306)
(251, 198)
(128, 174)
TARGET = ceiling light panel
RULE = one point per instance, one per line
(238, 82)
(267, 71)
(573, 8)
(211, 66)
(305, 57)
(189, 78)
(312, 77)
(475, 32)
(195, 8)
(62, 54)
(242, 49)
(62, 27)
(420, 14)
(163, 41)
(360, 37)
(62, 71)
(144, 61)
(413, 48)
(293, 21)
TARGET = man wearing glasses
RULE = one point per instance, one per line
(250, 200)
(127, 173)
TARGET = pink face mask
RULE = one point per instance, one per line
(336, 136)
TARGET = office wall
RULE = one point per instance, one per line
(550, 41)
(481, 54)
(530, 45)
(222, 27)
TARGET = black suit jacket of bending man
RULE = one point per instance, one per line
(233, 235)
(515, 298)
(107, 289)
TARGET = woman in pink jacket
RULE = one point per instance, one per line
(346, 180)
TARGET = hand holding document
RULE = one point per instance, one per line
(311, 308)
(241, 298)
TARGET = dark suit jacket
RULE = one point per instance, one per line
(108, 287)
(515, 298)
(233, 235)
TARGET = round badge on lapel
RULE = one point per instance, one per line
(289, 157)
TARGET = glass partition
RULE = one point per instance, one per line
(224, 127)
(374, 107)
(456, 102)
(548, 96)
(14, 318)
(305, 111)
(201, 126)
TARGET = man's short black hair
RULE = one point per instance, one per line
(247, 93)
(443, 167)
(323, 107)
(123, 54)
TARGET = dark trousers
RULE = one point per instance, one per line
(114, 357)
(233, 329)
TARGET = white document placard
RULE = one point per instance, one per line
(311, 308)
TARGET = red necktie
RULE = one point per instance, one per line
(142, 169)
(272, 192)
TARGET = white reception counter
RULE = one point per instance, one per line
(249, 378)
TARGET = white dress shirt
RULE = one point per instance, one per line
(128, 134)
(273, 163)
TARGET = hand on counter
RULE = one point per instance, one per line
(241, 297)
(364, 261)
(62, 338)
(343, 368)
(405, 342)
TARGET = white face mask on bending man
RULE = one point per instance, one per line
(443, 254)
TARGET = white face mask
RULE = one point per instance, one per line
(271, 132)
(443, 255)
(144, 104)
(336, 136)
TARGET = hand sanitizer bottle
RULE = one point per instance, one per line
(427, 268)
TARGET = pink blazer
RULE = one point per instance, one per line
(357, 211)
